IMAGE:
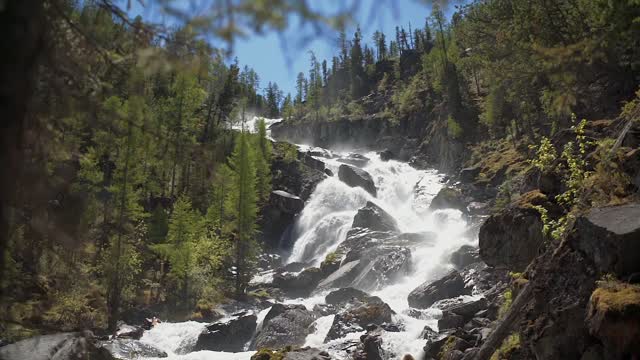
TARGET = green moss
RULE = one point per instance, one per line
(506, 304)
(509, 345)
(613, 295)
(268, 354)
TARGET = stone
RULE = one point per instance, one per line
(356, 177)
(464, 256)
(313, 163)
(230, 335)
(284, 325)
(324, 309)
(129, 332)
(450, 320)
(301, 284)
(428, 334)
(449, 286)
(132, 349)
(357, 315)
(613, 316)
(464, 307)
(370, 347)
(341, 277)
(373, 217)
(345, 295)
(355, 159)
(286, 202)
(328, 172)
(63, 346)
(610, 237)
(511, 238)
(448, 198)
(386, 155)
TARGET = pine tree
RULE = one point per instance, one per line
(263, 163)
(241, 205)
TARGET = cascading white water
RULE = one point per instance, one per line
(403, 192)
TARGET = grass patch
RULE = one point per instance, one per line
(509, 345)
(616, 296)
(506, 304)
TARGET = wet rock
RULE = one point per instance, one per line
(129, 332)
(305, 353)
(345, 295)
(284, 325)
(386, 265)
(355, 159)
(429, 334)
(341, 277)
(313, 163)
(465, 255)
(370, 347)
(301, 284)
(441, 348)
(328, 172)
(448, 198)
(469, 174)
(511, 238)
(373, 217)
(292, 267)
(132, 349)
(386, 155)
(450, 320)
(449, 286)
(463, 306)
(320, 152)
(610, 236)
(330, 264)
(286, 202)
(357, 315)
(63, 346)
(231, 335)
(613, 316)
(324, 309)
(356, 177)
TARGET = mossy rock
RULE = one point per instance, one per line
(613, 316)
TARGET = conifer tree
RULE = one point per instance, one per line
(263, 163)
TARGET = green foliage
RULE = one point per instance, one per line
(454, 130)
(510, 344)
(507, 300)
(263, 163)
(546, 155)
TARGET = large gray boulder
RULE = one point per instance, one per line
(63, 346)
(230, 335)
(373, 217)
(345, 295)
(465, 255)
(357, 314)
(448, 198)
(356, 177)
(301, 284)
(511, 238)
(610, 237)
(284, 325)
(449, 286)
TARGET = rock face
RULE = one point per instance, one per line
(448, 198)
(370, 347)
(511, 238)
(345, 295)
(228, 336)
(132, 349)
(285, 202)
(372, 217)
(450, 286)
(355, 177)
(284, 325)
(357, 314)
(78, 345)
(468, 175)
(611, 237)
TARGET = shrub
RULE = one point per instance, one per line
(454, 130)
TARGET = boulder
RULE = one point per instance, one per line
(301, 284)
(357, 315)
(341, 277)
(370, 347)
(386, 264)
(328, 172)
(441, 348)
(465, 255)
(324, 309)
(450, 320)
(230, 335)
(463, 306)
(286, 202)
(386, 155)
(345, 295)
(132, 349)
(511, 238)
(288, 353)
(355, 159)
(469, 174)
(63, 346)
(373, 217)
(610, 237)
(125, 331)
(613, 316)
(356, 177)
(284, 325)
(428, 334)
(448, 198)
(313, 163)
(449, 286)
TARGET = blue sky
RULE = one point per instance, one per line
(265, 54)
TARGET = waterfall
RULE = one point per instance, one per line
(403, 192)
